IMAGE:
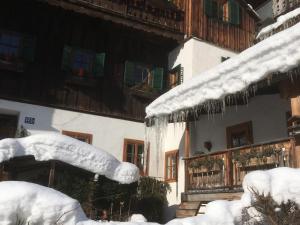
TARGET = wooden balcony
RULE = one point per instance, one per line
(225, 170)
(149, 15)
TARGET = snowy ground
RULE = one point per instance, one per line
(40, 205)
(54, 146)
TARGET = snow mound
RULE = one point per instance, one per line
(281, 20)
(54, 146)
(137, 218)
(278, 53)
(282, 184)
(34, 204)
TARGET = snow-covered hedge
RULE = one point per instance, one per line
(40, 205)
(54, 146)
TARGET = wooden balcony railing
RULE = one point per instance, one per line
(226, 169)
(168, 17)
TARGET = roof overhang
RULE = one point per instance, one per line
(277, 55)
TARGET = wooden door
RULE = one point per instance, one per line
(8, 126)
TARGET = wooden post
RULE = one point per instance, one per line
(51, 174)
(295, 106)
(187, 140)
(187, 149)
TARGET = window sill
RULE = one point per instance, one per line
(12, 66)
(142, 93)
(82, 81)
(171, 180)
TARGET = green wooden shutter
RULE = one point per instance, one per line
(28, 48)
(208, 8)
(158, 77)
(129, 73)
(66, 58)
(211, 8)
(234, 12)
(99, 65)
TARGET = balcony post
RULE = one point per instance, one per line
(186, 153)
(51, 174)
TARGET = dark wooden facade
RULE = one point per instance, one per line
(224, 34)
(43, 82)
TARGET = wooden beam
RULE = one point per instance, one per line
(51, 174)
(187, 140)
(295, 106)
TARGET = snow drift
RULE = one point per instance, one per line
(42, 205)
(282, 184)
(54, 146)
(26, 203)
(278, 53)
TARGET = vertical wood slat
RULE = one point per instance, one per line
(235, 37)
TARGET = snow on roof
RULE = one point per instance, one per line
(281, 20)
(54, 146)
(26, 203)
(278, 53)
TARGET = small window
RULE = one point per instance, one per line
(134, 152)
(16, 49)
(175, 77)
(224, 10)
(83, 63)
(239, 135)
(171, 166)
(84, 137)
(143, 77)
(223, 58)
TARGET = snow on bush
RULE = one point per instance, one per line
(54, 146)
(137, 218)
(26, 203)
(281, 184)
(41, 205)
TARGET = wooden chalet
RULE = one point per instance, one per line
(87, 56)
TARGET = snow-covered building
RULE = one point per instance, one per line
(79, 68)
(239, 116)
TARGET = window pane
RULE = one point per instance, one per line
(130, 153)
(140, 156)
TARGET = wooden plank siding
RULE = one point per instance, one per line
(44, 83)
(234, 37)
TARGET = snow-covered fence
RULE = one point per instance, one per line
(227, 169)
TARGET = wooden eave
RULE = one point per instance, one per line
(251, 11)
(116, 17)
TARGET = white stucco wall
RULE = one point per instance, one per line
(108, 133)
(196, 56)
(268, 116)
(267, 113)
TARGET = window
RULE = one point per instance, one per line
(224, 58)
(16, 48)
(143, 77)
(83, 63)
(171, 166)
(175, 77)
(239, 135)
(134, 152)
(79, 136)
(224, 10)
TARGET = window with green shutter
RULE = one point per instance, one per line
(175, 77)
(16, 46)
(142, 76)
(234, 12)
(82, 62)
(225, 10)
